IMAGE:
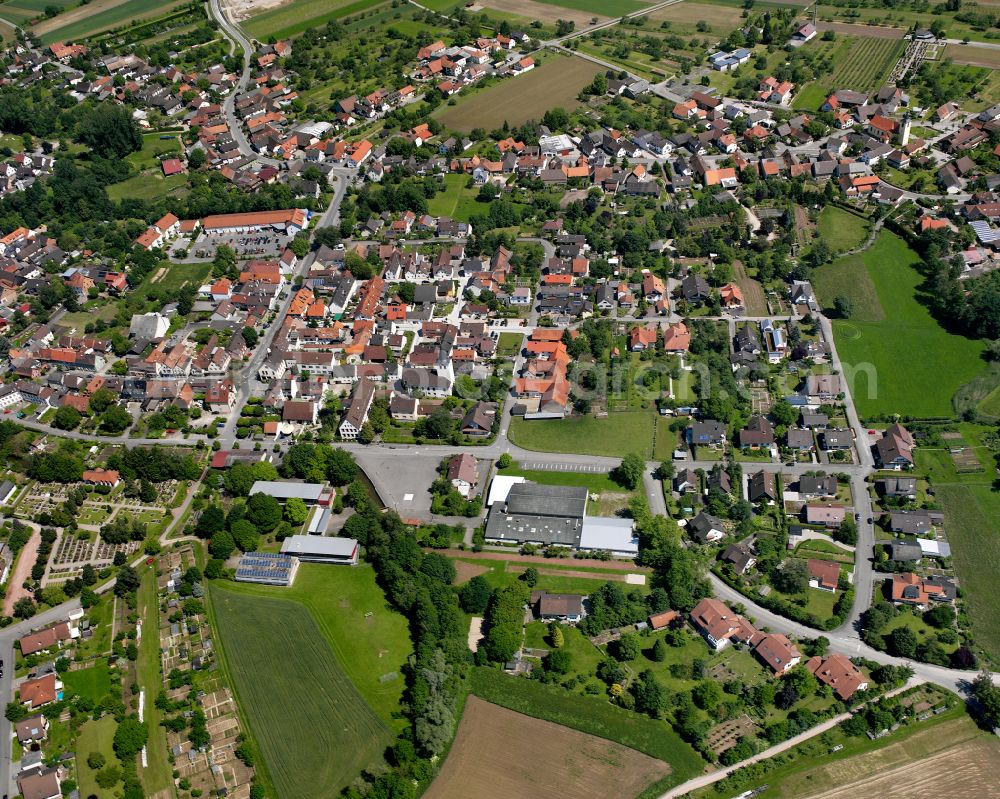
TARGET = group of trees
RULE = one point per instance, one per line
(62, 465)
(902, 640)
(242, 527)
(155, 464)
(319, 462)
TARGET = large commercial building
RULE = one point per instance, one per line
(322, 549)
(290, 221)
(268, 568)
(529, 513)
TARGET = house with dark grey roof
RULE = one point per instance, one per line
(720, 480)
(695, 289)
(708, 433)
(817, 485)
(539, 514)
(911, 522)
(705, 528)
(739, 556)
(799, 439)
(900, 487)
(558, 607)
(836, 439)
(761, 487)
(905, 550)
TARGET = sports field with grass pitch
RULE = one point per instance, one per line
(918, 364)
(313, 727)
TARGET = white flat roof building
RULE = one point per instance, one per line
(609, 533)
(500, 488)
(322, 549)
(281, 491)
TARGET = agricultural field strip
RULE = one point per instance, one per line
(273, 648)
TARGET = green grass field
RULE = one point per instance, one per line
(153, 147)
(501, 573)
(312, 726)
(175, 276)
(595, 483)
(150, 186)
(509, 345)
(842, 230)
(369, 639)
(157, 776)
(871, 349)
(591, 715)
(94, 736)
(91, 683)
(972, 519)
(298, 16)
(457, 201)
(615, 436)
(811, 97)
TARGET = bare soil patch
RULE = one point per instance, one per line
(499, 754)
(720, 18)
(25, 561)
(973, 56)
(466, 571)
(512, 569)
(853, 29)
(543, 12)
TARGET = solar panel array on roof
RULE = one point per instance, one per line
(270, 568)
(985, 233)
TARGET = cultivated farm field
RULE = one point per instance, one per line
(314, 729)
(965, 770)
(499, 753)
(300, 15)
(99, 16)
(555, 83)
(863, 63)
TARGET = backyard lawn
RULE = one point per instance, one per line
(509, 345)
(892, 359)
(457, 201)
(94, 736)
(93, 682)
